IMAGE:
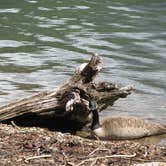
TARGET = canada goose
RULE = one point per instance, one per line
(124, 127)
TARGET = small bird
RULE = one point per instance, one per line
(123, 127)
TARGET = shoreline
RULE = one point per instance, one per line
(37, 146)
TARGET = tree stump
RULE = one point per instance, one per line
(70, 101)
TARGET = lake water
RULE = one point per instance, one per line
(42, 42)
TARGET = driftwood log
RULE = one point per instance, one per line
(70, 101)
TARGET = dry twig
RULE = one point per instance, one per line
(97, 149)
(38, 157)
(104, 157)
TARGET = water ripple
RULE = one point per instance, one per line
(126, 9)
(132, 35)
(11, 10)
(12, 43)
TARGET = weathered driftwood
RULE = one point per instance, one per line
(71, 98)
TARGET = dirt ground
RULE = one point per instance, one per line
(36, 146)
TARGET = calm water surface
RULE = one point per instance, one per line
(42, 42)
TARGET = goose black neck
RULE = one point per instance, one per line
(95, 116)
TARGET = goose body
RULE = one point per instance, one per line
(128, 127)
(123, 127)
